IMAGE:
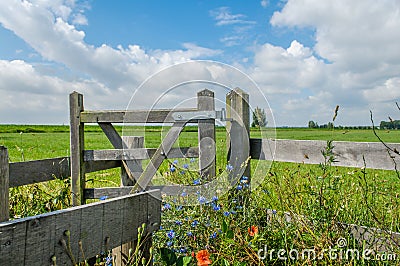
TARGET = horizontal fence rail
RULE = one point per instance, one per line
(372, 155)
(99, 226)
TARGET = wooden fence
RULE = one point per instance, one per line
(20, 239)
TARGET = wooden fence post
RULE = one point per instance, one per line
(4, 185)
(206, 135)
(77, 147)
(121, 253)
(237, 108)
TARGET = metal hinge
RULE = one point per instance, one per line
(200, 115)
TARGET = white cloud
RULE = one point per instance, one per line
(223, 16)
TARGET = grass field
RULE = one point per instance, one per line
(325, 195)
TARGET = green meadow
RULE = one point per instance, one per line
(321, 196)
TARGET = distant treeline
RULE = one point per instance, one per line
(394, 124)
(330, 125)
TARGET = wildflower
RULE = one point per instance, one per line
(203, 258)
(239, 187)
(226, 213)
(216, 207)
(178, 222)
(169, 243)
(202, 200)
(215, 198)
(245, 178)
(103, 197)
(195, 223)
(172, 169)
(253, 230)
(109, 260)
(184, 194)
(229, 167)
(182, 250)
(186, 166)
(189, 233)
(274, 212)
(179, 208)
(167, 206)
(182, 172)
(213, 235)
(192, 160)
(171, 234)
(196, 182)
(175, 162)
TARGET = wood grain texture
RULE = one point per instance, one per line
(31, 172)
(131, 116)
(4, 185)
(348, 154)
(100, 226)
(137, 154)
(76, 147)
(206, 135)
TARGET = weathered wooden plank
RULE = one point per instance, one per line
(137, 154)
(76, 147)
(31, 172)
(206, 135)
(159, 155)
(131, 116)
(113, 192)
(21, 239)
(12, 244)
(237, 109)
(94, 166)
(375, 239)
(134, 165)
(39, 244)
(4, 185)
(348, 154)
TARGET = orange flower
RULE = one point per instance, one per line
(203, 258)
(253, 230)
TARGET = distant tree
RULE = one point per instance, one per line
(259, 118)
(330, 125)
(312, 124)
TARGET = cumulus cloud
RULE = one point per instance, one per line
(354, 62)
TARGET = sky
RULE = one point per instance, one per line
(305, 56)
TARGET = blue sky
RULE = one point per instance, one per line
(306, 56)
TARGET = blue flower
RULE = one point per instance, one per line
(172, 169)
(175, 162)
(103, 197)
(202, 200)
(244, 178)
(196, 182)
(239, 187)
(226, 213)
(171, 234)
(186, 166)
(233, 212)
(109, 260)
(215, 198)
(195, 223)
(182, 172)
(273, 211)
(214, 235)
(167, 206)
(192, 160)
(179, 208)
(184, 194)
(229, 167)
(182, 250)
(216, 207)
(178, 222)
(169, 243)
(189, 233)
